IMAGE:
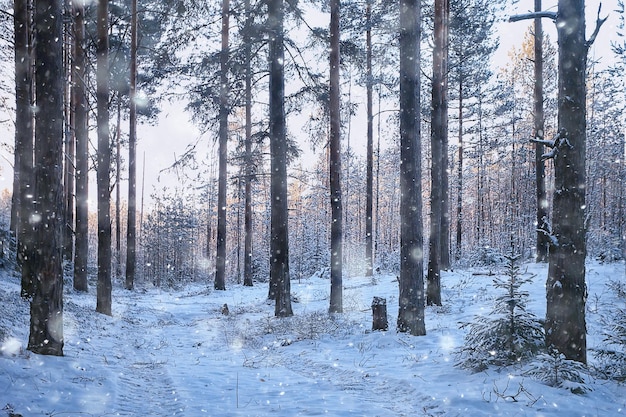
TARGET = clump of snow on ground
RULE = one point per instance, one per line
(175, 353)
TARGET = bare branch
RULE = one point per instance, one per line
(599, 23)
(533, 15)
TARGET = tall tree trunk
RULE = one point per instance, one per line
(46, 307)
(369, 187)
(444, 252)
(103, 304)
(23, 174)
(279, 247)
(566, 289)
(542, 200)
(131, 228)
(70, 145)
(336, 228)
(459, 199)
(411, 282)
(247, 261)
(438, 137)
(220, 264)
(118, 194)
(81, 118)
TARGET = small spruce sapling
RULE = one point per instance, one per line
(612, 354)
(554, 370)
(508, 333)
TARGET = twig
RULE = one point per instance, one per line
(599, 23)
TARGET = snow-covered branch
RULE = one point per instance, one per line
(547, 231)
(550, 155)
(554, 142)
(559, 141)
(599, 23)
(533, 15)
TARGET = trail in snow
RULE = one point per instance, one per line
(143, 380)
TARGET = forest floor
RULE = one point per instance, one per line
(173, 352)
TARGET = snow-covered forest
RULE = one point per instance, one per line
(462, 160)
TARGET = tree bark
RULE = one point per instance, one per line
(220, 263)
(23, 183)
(103, 304)
(336, 228)
(70, 144)
(131, 228)
(542, 201)
(46, 308)
(280, 286)
(81, 117)
(444, 252)
(438, 137)
(118, 192)
(411, 280)
(566, 288)
(369, 198)
(459, 199)
(247, 262)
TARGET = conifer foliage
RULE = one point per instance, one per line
(508, 333)
(612, 352)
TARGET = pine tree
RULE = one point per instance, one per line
(220, 267)
(279, 247)
(411, 281)
(46, 307)
(23, 172)
(438, 245)
(507, 333)
(336, 239)
(612, 352)
(131, 229)
(80, 108)
(104, 162)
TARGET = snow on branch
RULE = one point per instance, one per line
(555, 144)
(551, 143)
(533, 15)
(599, 23)
(547, 231)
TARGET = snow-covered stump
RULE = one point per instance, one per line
(379, 314)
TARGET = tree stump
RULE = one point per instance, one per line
(379, 314)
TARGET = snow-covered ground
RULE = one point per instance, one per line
(174, 353)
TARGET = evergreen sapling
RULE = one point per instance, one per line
(612, 354)
(508, 333)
